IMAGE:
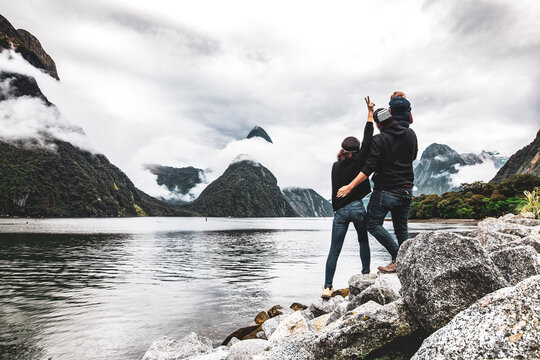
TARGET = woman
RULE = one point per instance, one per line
(349, 209)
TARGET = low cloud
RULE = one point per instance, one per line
(471, 173)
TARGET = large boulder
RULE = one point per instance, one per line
(517, 263)
(442, 274)
(293, 325)
(322, 306)
(271, 325)
(338, 312)
(384, 290)
(360, 282)
(494, 233)
(362, 331)
(246, 349)
(294, 348)
(502, 325)
(219, 353)
(166, 348)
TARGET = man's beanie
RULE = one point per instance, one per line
(350, 144)
(381, 115)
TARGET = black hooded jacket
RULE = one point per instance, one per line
(391, 156)
(343, 172)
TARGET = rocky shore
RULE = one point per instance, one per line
(454, 297)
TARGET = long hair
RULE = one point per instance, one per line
(344, 155)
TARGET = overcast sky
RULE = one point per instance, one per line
(179, 82)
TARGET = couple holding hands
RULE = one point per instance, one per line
(388, 156)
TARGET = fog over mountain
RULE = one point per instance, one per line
(441, 169)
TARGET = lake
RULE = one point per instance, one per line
(106, 288)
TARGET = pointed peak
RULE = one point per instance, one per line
(258, 131)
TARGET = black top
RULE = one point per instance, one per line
(392, 154)
(343, 172)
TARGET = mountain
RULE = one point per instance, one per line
(26, 44)
(44, 176)
(524, 161)
(259, 132)
(437, 163)
(308, 203)
(179, 181)
(438, 169)
(246, 189)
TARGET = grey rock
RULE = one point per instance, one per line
(271, 325)
(233, 341)
(495, 232)
(246, 349)
(219, 353)
(384, 290)
(442, 274)
(320, 322)
(166, 348)
(321, 306)
(308, 314)
(338, 312)
(360, 282)
(517, 263)
(293, 325)
(501, 325)
(261, 335)
(360, 332)
(295, 348)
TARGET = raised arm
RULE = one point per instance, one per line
(364, 150)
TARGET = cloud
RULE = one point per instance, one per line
(471, 173)
(181, 84)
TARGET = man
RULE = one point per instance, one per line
(392, 154)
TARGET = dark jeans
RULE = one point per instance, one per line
(398, 202)
(355, 213)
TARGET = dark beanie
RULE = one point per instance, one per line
(350, 144)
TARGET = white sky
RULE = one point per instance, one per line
(178, 82)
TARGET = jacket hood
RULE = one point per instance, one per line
(396, 130)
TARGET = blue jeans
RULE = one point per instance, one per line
(398, 202)
(355, 213)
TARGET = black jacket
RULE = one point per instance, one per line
(391, 156)
(343, 172)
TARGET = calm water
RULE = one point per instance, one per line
(105, 288)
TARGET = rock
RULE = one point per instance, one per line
(279, 310)
(501, 325)
(298, 307)
(341, 292)
(495, 232)
(360, 282)
(166, 348)
(517, 263)
(245, 350)
(253, 334)
(219, 353)
(293, 325)
(320, 322)
(338, 312)
(321, 306)
(360, 332)
(295, 348)
(240, 333)
(442, 274)
(533, 240)
(274, 311)
(308, 314)
(384, 290)
(261, 318)
(271, 325)
(232, 342)
(261, 335)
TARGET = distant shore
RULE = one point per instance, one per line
(443, 221)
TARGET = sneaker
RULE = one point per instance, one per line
(365, 272)
(327, 292)
(390, 268)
